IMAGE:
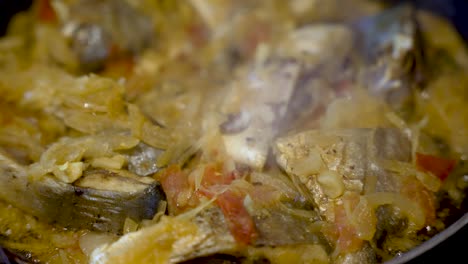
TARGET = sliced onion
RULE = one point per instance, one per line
(331, 183)
(63, 256)
(364, 220)
(116, 162)
(196, 176)
(429, 181)
(311, 164)
(90, 241)
(129, 226)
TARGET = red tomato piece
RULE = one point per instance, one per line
(213, 176)
(258, 32)
(179, 193)
(198, 34)
(119, 67)
(46, 12)
(231, 203)
(438, 166)
(240, 222)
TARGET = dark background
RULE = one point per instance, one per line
(453, 250)
(8, 8)
(455, 10)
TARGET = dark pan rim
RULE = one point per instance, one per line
(431, 243)
(404, 258)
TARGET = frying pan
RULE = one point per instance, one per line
(448, 246)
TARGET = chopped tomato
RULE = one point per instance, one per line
(348, 240)
(45, 12)
(231, 203)
(213, 175)
(240, 222)
(438, 166)
(198, 34)
(179, 193)
(119, 67)
(258, 33)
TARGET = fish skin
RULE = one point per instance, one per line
(270, 87)
(278, 228)
(391, 59)
(105, 29)
(80, 207)
(353, 153)
(172, 240)
(356, 154)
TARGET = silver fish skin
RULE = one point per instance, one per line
(270, 86)
(356, 157)
(172, 240)
(101, 200)
(95, 27)
(353, 153)
(392, 63)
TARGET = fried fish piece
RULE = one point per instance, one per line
(172, 240)
(392, 60)
(100, 200)
(347, 174)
